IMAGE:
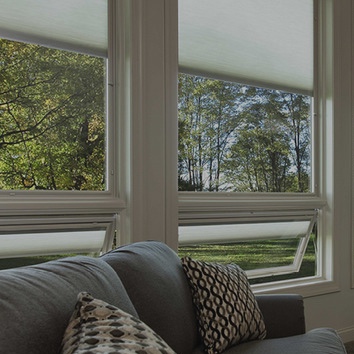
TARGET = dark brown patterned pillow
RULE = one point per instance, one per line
(227, 310)
(97, 327)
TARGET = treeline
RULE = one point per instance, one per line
(234, 137)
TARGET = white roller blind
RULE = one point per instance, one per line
(36, 244)
(267, 43)
(242, 232)
(42, 235)
(78, 25)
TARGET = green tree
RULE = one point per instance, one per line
(296, 109)
(52, 121)
(208, 117)
(241, 138)
(259, 162)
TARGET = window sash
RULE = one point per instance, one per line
(60, 202)
(255, 227)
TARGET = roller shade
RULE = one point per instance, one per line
(266, 43)
(76, 25)
(37, 244)
(37, 236)
(243, 232)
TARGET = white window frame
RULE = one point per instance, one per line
(68, 209)
(55, 202)
(221, 205)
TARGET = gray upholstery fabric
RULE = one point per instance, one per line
(36, 302)
(154, 279)
(283, 314)
(318, 341)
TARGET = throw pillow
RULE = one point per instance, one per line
(98, 327)
(227, 310)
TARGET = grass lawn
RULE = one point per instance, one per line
(255, 255)
(248, 255)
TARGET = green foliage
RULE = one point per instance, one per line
(234, 137)
(52, 119)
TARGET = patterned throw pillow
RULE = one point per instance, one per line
(227, 310)
(97, 327)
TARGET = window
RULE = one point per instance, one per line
(58, 164)
(267, 248)
(249, 136)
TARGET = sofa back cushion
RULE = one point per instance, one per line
(153, 276)
(36, 302)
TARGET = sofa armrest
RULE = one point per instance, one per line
(283, 314)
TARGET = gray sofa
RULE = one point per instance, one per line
(145, 279)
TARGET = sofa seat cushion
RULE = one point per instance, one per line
(153, 276)
(99, 327)
(36, 302)
(317, 341)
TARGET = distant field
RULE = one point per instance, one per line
(257, 254)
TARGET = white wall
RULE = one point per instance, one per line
(153, 133)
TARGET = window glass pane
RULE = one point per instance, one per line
(52, 119)
(249, 255)
(308, 267)
(234, 137)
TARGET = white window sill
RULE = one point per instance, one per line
(305, 287)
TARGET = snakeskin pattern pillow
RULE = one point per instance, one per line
(227, 310)
(97, 327)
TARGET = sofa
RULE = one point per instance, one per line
(147, 281)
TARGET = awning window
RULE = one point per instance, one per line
(39, 236)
